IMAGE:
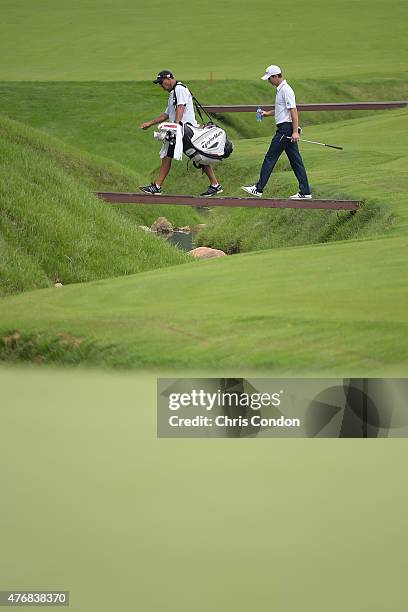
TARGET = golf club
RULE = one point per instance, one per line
(322, 144)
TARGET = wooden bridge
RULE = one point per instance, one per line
(187, 200)
(330, 106)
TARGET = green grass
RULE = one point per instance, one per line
(371, 168)
(338, 309)
(332, 308)
(91, 500)
(96, 504)
(104, 118)
(92, 171)
(111, 43)
(124, 40)
(52, 229)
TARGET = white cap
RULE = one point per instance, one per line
(271, 71)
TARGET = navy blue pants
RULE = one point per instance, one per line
(278, 145)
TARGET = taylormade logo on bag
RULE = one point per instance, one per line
(205, 145)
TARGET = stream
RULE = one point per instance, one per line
(182, 240)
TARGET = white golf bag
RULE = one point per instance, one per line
(206, 145)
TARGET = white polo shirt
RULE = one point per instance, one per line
(183, 96)
(285, 99)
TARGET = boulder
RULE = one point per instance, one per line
(206, 253)
(162, 226)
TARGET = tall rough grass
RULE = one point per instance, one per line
(53, 229)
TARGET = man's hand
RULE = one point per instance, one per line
(145, 126)
(266, 113)
(295, 137)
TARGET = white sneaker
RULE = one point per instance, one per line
(252, 190)
(300, 196)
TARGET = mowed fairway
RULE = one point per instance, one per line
(127, 40)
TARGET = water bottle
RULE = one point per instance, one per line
(259, 114)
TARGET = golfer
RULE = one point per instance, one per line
(285, 139)
(179, 109)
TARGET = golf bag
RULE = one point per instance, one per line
(206, 145)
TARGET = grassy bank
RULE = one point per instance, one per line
(338, 309)
(52, 229)
(371, 168)
(260, 310)
(103, 118)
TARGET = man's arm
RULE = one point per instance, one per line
(295, 122)
(179, 112)
(159, 119)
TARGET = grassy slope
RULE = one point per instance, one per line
(92, 171)
(333, 49)
(90, 39)
(333, 309)
(104, 118)
(371, 168)
(53, 229)
(348, 301)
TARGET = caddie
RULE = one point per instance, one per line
(285, 139)
(179, 110)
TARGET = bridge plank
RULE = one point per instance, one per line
(330, 106)
(187, 200)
